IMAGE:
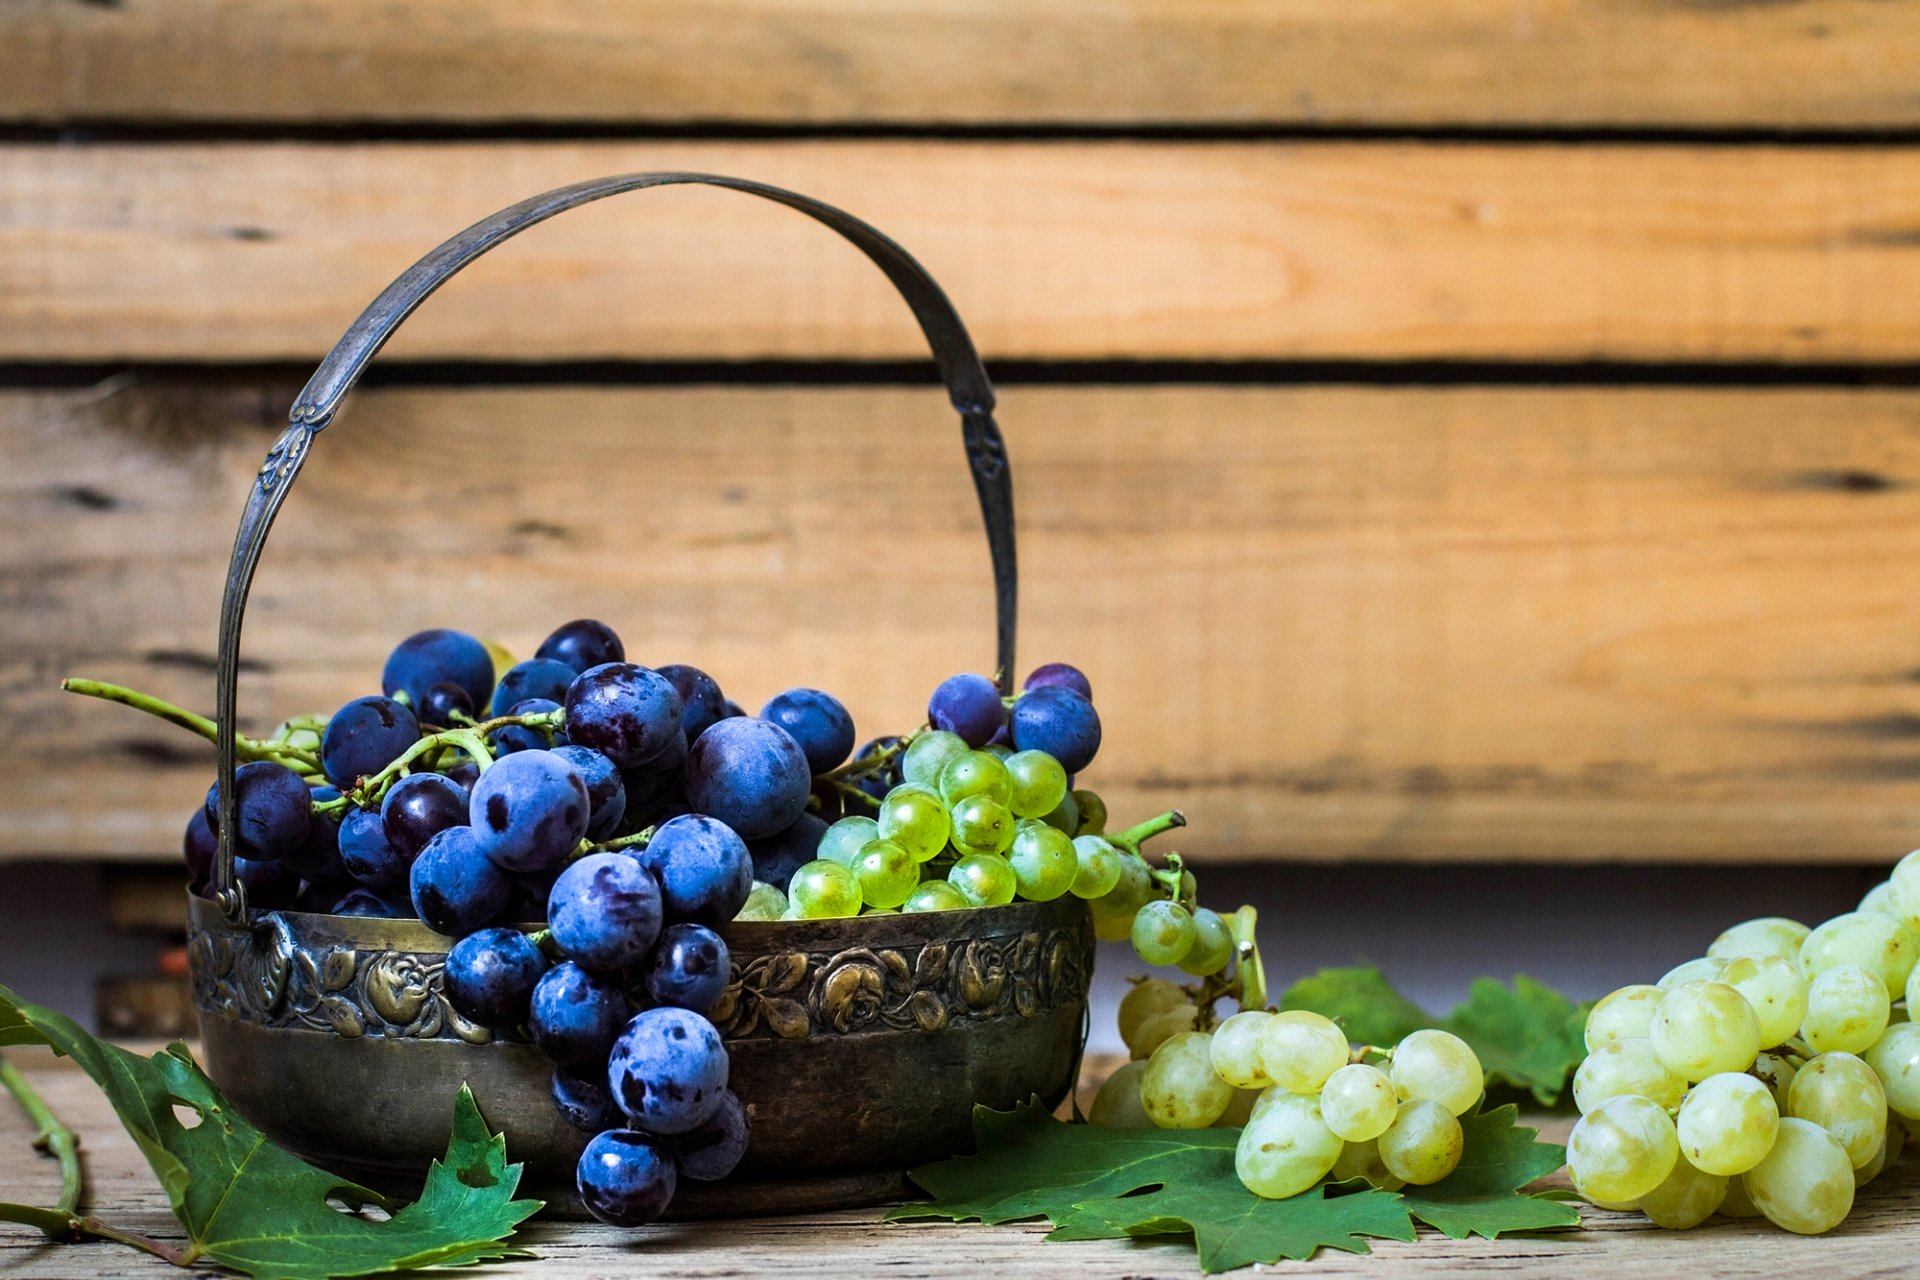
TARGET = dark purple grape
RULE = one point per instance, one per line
(318, 896)
(367, 854)
(606, 790)
(826, 802)
(712, 1151)
(529, 810)
(654, 814)
(318, 857)
(690, 968)
(362, 901)
(818, 722)
(704, 869)
(1061, 723)
(510, 738)
(275, 810)
(528, 905)
(200, 847)
(428, 658)
(605, 912)
(456, 887)
(1059, 675)
(730, 709)
(444, 704)
(968, 705)
(668, 1070)
(364, 737)
(777, 857)
(626, 1179)
(627, 713)
(581, 644)
(657, 779)
(702, 704)
(466, 773)
(576, 1017)
(269, 883)
(419, 807)
(490, 976)
(583, 1101)
(534, 678)
(749, 774)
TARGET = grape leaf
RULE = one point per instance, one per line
(1528, 1036)
(259, 1209)
(1478, 1198)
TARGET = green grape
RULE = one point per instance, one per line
(1776, 1071)
(999, 751)
(1727, 1124)
(1362, 1160)
(1178, 1088)
(1805, 1184)
(1239, 1111)
(1163, 932)
(1300, 1049)
(1772, 985)
(936, 895)
(845, 839)
(983, 879)
(1042, 859)
(1036, 784)
(887, 873)
(1701, 970)
(1623, 1014)
(1064, 817)
(1738, 1203)
(1766, 936)
(1912, 992)
(1236, 1050)
(1440, 1067)
(1212, 947)
(1889, 1151)
(1423, 1144)
(982, 825)
(764, 902)
(915, 818)
(1895, 1058)
(977, 773)
(1358, 1102)
(1093, 813)
(1145, 998)
(823, 890)
(1113, 912)
(1117, 1105)
(1160, 1028)
(1847, 1009)
(881, 911)
(1879, 901)
(1285, 1148)
(1906, 889)
(1701, 1029)
(1622, 1149)
(1096, 866)
(1686, 1199)
(1626, 1068)
(1842, 1095)
(928, 754)
(1876, 942)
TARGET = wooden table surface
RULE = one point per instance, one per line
(1880, 1238)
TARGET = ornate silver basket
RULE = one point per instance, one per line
(859, 1047)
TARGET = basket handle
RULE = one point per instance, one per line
(953, 352)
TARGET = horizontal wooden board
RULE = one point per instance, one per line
(1329, 623)
(1282, 62)
(1051, 251)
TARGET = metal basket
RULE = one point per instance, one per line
(859, 1046)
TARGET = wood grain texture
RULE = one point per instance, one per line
(1076, 250)
(1877, 1239)
(1329, 623)
(1284, 62)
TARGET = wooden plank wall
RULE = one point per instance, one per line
(1450, 431)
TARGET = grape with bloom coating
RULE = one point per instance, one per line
(1286, 1146)
(1872, 941)
(1701, 970)
(1117, 1105)
(846, 838)
(1727, 1124)
(1042, 859)
(1236, 1049)
(1096, 866)
(1300, 1049)
(915, 818)
(1179, 1088)
(983, 879)
(1805, 1184)
(1703, 1028)
(1423, 1144)
(1622, 1014)
(1847, 1009)
(1895, 1058)
(982, 824)
(887, 874)
(1362, 1160)
(1163, 932)
(1766, 936)
(1774, 988)
(1440, 1067)
(823, 890)
(1841, 1094)
(1626, 1068)
(935, 895)
(928, 754)
(1622, 1149)
(1358, 1102)
(1037, 783)
(1686, 1199)
(1212, 944)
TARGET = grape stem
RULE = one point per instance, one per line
(874, 761)
(851, 792)
(1250, 973)
(299, 759)
(1133, 837)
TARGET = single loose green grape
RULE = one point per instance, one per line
(1775, 989)
(1096, 866)
(1622, 1149)
(1895, 1058)
(1876, 942)
(1064, 816)
(1163, 932)
(928, 754)
(983, 879)
(1358, 1102)
(1440, 1067)
(844, 840)
(1423, 1144)
(1842, 1095)
(1212, 944)
(1686, 1199)
(1285, 1148)
(1625, 1068)
(1236, 1049)
(1117, 1105)
(764, 902)
(1622, 1015)
(982, 825)
(1042, 859)
(1847, 1009)
(1701, 1029)
(1179, 1089)
(1093, 812)
(1114, 910)
(977, 773)
(1036, 783)
(915, 818)
(1300, 1049)
(887, 873)
(1766, 936)
(936, 895)
(823, 890)
(1727, 1124)
(1805, 1184)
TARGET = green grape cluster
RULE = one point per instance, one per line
(1308, 1104)
(1769, 1078)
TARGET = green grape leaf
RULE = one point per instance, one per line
(1479, 1198)
(1241, 1230)
(1362, 1001)
(257, 1208)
